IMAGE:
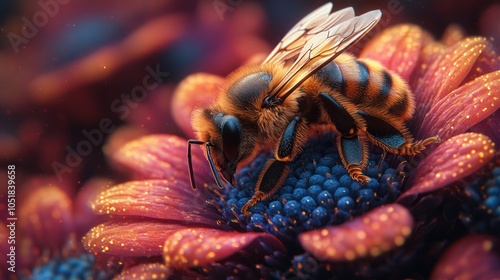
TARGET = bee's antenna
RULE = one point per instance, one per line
(210, 161)
(190, 163)
(212, 166)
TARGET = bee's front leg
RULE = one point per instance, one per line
(275, 170)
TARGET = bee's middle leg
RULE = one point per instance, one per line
(351, 143)
(275, 170)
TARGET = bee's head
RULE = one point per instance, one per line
(222, 137)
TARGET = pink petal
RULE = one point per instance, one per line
(195, 91)
(146, 271)
(472, 257)
(164, 157)
(84, 217)
(488, 61)
(452, 35)
(174, 201)
(128, 238)
(463, 108)
(446, 73)
(46, 217)
(105, 62)
(452, 160)
(378, 231)
(397, 48)
(200, 246)
(489, 127)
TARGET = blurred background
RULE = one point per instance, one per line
(73, 73)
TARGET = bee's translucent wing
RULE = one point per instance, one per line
(322, 48)
(312, 24)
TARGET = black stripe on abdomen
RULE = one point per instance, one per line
(399, 108)
(331, 75)
(386, 86)
(364, 77)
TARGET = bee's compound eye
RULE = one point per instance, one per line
(231, 137)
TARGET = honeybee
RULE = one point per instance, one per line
(305, 82)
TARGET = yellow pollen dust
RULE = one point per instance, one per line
(375, 251)
(361, 249)
(210, 255)
(331, 252)
(406, 231)
(487, 245)
(350, 255)
(399, 240)
(361, 234)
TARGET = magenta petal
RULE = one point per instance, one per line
(372, 234)
(43, 210)
(472, 257)
(201, 246)
(163, 157)
(129, 238)
(397, 48)
(463, 108)
(174, 201)
(456, 158)
(447, 72)
(145, 271)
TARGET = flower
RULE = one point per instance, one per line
(160, 226)
(48, 229)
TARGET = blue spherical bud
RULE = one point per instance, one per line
(493, 191)
(346, 203)
(259, 207)
(302, 183)
(322, 170)
(345, 180)
(292, 208)
(316, 180)
(366, 195)
(325, 199)
(299, 193)
(331, 185)
(373, 185)
(341, 192)
(285, 197)
(319, 216)
(314, 190)
(327, 160)
(258, 219)
(338, 170)
(280, 221)
(492, 202)
(355, 187)
(291, 181)
(285, 189)
(310, 167)
(232, 202)
(275, 207)
(305, 175)
(308, 204)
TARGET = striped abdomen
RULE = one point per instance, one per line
(367, 84)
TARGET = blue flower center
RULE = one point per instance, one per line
(317, 192)
(79, 267)
(481, 213)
